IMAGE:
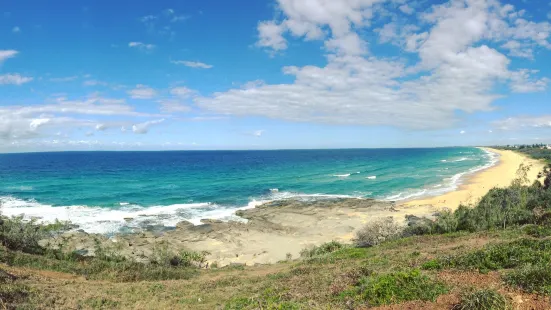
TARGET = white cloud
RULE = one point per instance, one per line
(95, 83)
(141, 45)
(14, 79)
(16, 29)
(19, 123)
(258, 133)
(35, 123)
(271, 36)
(64, 79)
(101, 127)
(142, 92)
(143, 128)
(182, 92)
(5, 54)
(148, 18)
(179, 18)
(172, 105)
(524, 122)
(459, 65)
(523, 82)
(192, 64)
(462, 132)
(517, 49)
(406, 9)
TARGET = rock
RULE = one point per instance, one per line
(210, 221)
(184, 225)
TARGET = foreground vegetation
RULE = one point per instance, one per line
(495, 254)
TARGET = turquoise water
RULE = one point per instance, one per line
(100, 191)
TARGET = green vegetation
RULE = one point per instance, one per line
(326, 248)
(499, 209)
(501, 242)
(20, 247)
(11, 293)
(378, 232)
(531, 278)
(506, 255)
(483, 300)
(395, 287)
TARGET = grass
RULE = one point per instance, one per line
(326, 248)
(12, 293)
(508, 230)
(98, 269)
(485, 299)
(531, 278)
(394, 287)
(498, 256)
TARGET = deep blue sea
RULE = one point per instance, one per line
(101, 191)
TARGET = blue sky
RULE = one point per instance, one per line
(106, 75)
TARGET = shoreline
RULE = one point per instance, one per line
(279, 229)
(477, 184)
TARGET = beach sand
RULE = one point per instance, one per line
(282, 228)
(477, 185)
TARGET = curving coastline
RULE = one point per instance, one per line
(280, 228)
(476, 185)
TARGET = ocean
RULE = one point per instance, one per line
(108, 192)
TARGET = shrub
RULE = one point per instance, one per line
(537, 231)
(377, 232)
(531, 278)
(164, 256)
(483, 300)
(19, 235)
(395, 288)
(447, 222)
(432, 264)
(326, 248)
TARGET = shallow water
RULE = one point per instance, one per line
(108, 191)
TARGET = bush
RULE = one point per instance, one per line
(447, 222)
(18, 234)
(377, 232)
(394, 288)
(326, 248)
(164, 256)
(531, 278)
(537, 231)
(483, 300)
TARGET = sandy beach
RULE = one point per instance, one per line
(478, 184)
(278, 229)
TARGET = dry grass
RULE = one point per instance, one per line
(313, 283)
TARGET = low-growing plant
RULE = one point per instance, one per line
(537, 231)
(378, 231)
(164, 256)
(485, 299)
(12, 293)
(502, 256)
(326, 248)
(267, 299)
(394, 288)
(531, 278)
